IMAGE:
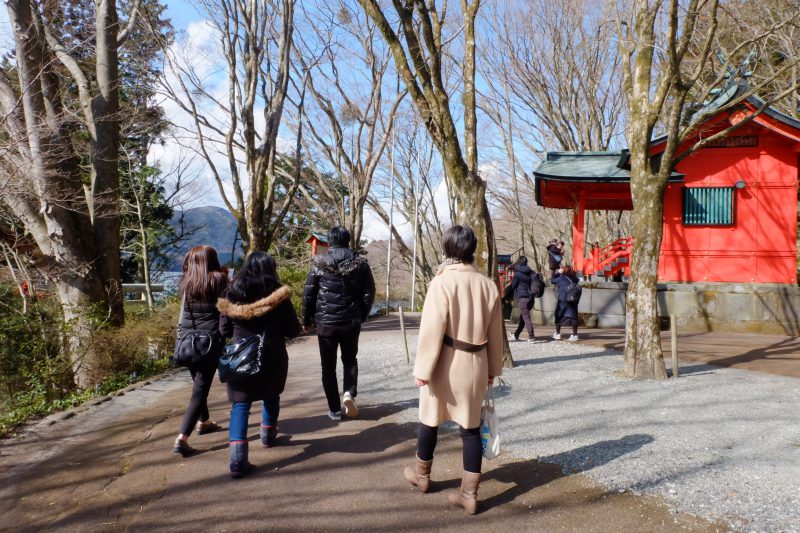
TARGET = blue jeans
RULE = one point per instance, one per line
(240, 412)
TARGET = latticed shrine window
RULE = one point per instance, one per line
(708, 206)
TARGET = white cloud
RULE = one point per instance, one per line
(375, 229)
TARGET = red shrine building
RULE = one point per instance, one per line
(730, 208)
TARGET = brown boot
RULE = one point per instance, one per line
(467, 496)
(420, 477)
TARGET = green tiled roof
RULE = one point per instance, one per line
(321, 237)
(587, 167)
(583, 166)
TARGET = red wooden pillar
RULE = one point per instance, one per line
(578, 235)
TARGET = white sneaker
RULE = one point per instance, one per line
(350, 409)
(573, 338)
(512, 338)
(335, 416)
(532, 339)
(556, 336)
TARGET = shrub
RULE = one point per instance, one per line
(146, 335)
(36, 378)
(294, 278)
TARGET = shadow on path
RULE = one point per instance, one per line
(599, 453)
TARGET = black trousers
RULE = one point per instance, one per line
(525, 305)
(202, 377)
(472, 451)
(331, 338)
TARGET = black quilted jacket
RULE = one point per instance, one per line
(339, 289)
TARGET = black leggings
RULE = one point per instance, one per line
(202, 376)
(470, 439)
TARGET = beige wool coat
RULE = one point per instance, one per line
(465, 305)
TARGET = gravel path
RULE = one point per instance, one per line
(720, 443)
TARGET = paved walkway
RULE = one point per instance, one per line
(109, 468)
(771, 354)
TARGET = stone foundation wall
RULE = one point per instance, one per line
(739, 308)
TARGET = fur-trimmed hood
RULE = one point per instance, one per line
(340, 268)
(256, 309)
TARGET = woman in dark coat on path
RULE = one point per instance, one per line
(566, 312)
(256, 302)
(202, 282)
(521, 285)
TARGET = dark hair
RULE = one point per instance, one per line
(522, 260)
(339, 237)
(257, 278)
(459, 242)
(567, 270)
(203, 279)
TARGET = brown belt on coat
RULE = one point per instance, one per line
(464, 346)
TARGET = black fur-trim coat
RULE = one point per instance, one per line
(339, 289)
(275, 315)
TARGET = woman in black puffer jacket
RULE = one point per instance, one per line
(256, 303)
(202, 282)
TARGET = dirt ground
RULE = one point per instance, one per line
(110, 468)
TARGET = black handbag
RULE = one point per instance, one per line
(242, 360)
(194, 346)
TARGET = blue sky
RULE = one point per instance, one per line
(182, 13)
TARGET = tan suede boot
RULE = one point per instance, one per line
(467, 496)
(420, 476)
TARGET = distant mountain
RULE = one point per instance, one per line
(213, 226)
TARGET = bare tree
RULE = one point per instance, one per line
(416, 185)
(552, 83)
(419, 63)
(240, 125)
(351, 122)
(668, 51)
(779, 47)
(418, 50)
(74, 224)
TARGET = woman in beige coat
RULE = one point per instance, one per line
(460, 351)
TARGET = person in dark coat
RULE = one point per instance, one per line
(521, 285)
(338, 297)
(554, 256)
(566, 312)
(256, 303)
(202, 282)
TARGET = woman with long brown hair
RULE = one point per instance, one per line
(202, 283)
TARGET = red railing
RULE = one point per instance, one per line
(612, 259)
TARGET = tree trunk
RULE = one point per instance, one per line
(79, 309)
(57, 218)
(106, 217)
(643, 356)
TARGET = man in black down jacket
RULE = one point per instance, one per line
(521, 284)
(338, 297)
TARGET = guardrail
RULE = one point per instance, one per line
(140, 289)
